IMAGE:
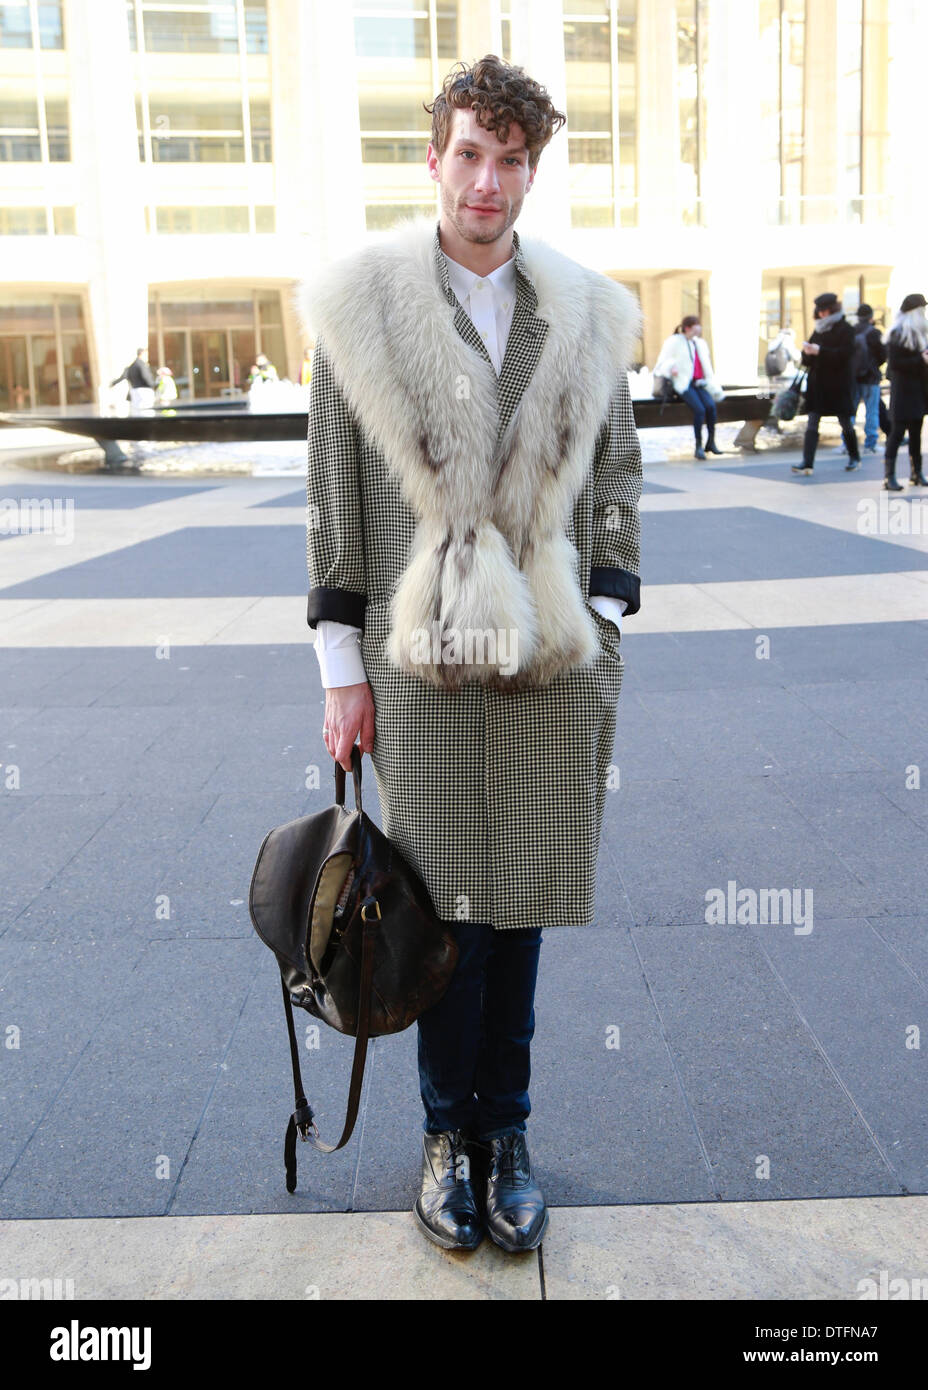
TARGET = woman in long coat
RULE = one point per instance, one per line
(830, 390)
(907, 351)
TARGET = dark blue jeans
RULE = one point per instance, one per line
(703, 407)
(474, 1045)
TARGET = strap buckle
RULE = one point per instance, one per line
(304, 1121)
(365, 905)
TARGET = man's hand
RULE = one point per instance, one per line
(812, 348)
(349, 711)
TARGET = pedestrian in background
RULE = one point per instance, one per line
(907, 352)
(684, 359)
(827, 355)
(141, 382)
(867, 359)
(306, 367)
(262, 370)
(782, 353)
(165, 387)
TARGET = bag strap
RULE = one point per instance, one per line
(301, 1121)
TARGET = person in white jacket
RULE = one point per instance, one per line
(685, 359)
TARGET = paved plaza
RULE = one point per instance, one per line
(725, 1107)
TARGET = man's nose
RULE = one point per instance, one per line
(487, 180)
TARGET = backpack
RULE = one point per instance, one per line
(776, 361)
(861, 361)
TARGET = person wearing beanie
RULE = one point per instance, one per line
(907, 353)
(868, 357)
(827, 356)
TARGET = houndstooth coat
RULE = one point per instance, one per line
(495, 796)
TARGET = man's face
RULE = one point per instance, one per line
(483, 182)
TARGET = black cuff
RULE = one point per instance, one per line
(335, 605)
(616, 583)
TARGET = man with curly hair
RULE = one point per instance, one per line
(474, 478)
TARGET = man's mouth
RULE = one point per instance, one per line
(477, 207)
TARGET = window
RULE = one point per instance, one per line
(210, 337)
(222, 115)
(26, 221)
(692, 25)
(694, 299)
(782, 306)
(601, 63)
(782, 76)
(402, 58)
(225, 27)
(207, 221)
(44, 359)
(16, 24)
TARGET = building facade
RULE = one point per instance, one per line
(168, 171)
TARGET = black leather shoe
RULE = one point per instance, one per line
(700, 454)
(517, 1217)
(713, 448)
(918, 480)
(446, 1207)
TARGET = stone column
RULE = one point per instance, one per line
(821, 143)
(731, 187)
(538, 46)
(112, 215)
(658, 116)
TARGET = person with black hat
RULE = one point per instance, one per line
(869, 356)
(907, 351)
(827, 355)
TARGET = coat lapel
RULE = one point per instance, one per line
(526, 336)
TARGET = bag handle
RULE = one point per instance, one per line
(301, 1121)
(356, 777)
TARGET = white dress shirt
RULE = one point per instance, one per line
(489, 301)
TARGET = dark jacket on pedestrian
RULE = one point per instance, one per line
(876, 350)
(908, 375)
(138, 373)
(830, 388)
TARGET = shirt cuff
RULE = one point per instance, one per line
(610, 608)
(339, 654)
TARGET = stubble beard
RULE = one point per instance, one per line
(470, 230)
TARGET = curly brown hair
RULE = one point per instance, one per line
(499, 93)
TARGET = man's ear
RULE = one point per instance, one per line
(433, 163)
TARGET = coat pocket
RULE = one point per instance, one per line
(610, 639)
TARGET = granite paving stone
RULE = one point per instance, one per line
(867, 1012)
(150, 783)
(772, 1116)
(115, 1138)
(759, 545)
(42, 986)
(94, 496)
(195, 561)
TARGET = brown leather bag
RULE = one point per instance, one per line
(355, 935)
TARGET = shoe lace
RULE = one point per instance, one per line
(508, 1155)
(453, 1148)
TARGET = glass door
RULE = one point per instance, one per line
(210, 357)
(14, 374)
(45, 367)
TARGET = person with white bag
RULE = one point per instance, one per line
(684, 360)
(141, 383)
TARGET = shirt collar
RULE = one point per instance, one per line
(511, 274)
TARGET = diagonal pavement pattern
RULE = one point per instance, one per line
(161, 709)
